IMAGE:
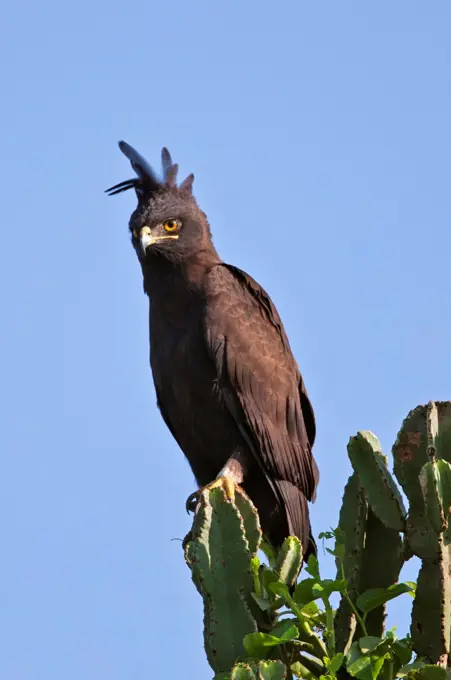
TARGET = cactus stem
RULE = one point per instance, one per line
(351, 604)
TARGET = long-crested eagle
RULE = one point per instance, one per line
(227, 384)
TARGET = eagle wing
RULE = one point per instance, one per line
(259, 379)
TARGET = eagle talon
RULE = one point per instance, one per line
(192, 501)
(223, 482)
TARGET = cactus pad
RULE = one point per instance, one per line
(219, 553)
(271, 670)
(410, 453)
(352, 523)
(289, 561)
(431, 612)
(377, 572)
(383, 495)
(243, 671)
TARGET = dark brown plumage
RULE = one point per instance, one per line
(227, 384)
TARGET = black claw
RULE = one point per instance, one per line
(192, 501)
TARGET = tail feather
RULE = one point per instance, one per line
(283, 511)
(297, 516)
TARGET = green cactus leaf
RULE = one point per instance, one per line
(314, 666)
(326, 587)
(368, 643)
(312, 567)
(300, 671)
(280, 589)
(303, 591)
(383, 495)
(255, 571)
(262, 602)
(289, 560)
(269, 551)
(258, 644)
(242, 671)
(336, 662)
(272, 670)
(365, 666)
(435, 482)
(267, 577)
(402, 650)
(375, 597)
(407, 668)
(427, 672)
(308, 636)
(310, 609)
(285, 629)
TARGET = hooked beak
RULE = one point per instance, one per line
(146, 239)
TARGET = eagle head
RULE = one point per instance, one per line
(167, 222)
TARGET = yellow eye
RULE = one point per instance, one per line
(171, 225)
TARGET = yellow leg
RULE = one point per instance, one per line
(225, 483)
(222, 482)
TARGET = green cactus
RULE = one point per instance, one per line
(352, 524)
(364, 533)
(431, 612)
(243, 598)
(271, 670)
(385, 518)
(242, 671)
(366, 457)
(435, 476)
(377, 572)
(219, 553)
(435, 481)
(289, 561)
(265, 670)
(431, 620)
(410, 453)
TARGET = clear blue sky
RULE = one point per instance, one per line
(320, 136)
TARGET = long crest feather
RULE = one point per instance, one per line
(138, 163)
(166, 161)
(122, 186)
(170, 169)
(146, 183)
(187, 184)
(171, 176)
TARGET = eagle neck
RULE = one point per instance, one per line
(182, 280)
